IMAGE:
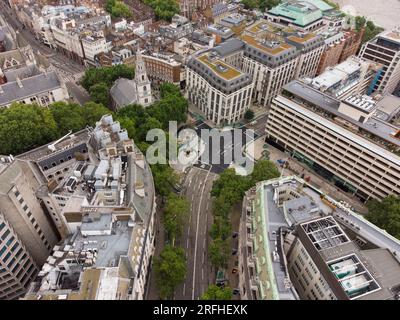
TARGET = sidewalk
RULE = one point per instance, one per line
(297, 168)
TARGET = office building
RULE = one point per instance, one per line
(352, 76)
(27, 233)
(295, 242)
(344, 141)
(100, 194)
(384, 49)
(221, 91)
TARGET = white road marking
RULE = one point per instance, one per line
(187, 243)
(202, 273)
(197, 234)
(184, 289)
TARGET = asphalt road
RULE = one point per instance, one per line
(195, 239)
(218, 157)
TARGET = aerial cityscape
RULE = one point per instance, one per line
(199, 150)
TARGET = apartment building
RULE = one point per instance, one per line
(344, 141)
(27, 233)
(384, 49)
(352, 76)
(93, 45)
(297, 243)
(221, 91)
(179, 28)
(162, 68)
(99, 192)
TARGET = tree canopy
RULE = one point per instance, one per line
(170, 270)
(118, 9)
(217, 293)
(260, 4)
(228, 190)
(106, 76)
(249, 115)
(386, 214)
(370, 29)
(24, 127)
(164, 9)
(175, 213)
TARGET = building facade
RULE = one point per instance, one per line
(27, 234)
(99, 192)
(297, 243)
(344, 141)
(222, 92)
(384, 49)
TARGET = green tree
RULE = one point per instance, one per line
(386, 214)
(118, 9)
(106, 75)
(23, 127)
(164, 9)
(249, 115)
(264, 170)
(231, 186)
(164, 178)
(217, 293)
(92, 112)
(100, 93)
(250, 4)
(219, 252)
(360, 22)
(68, 116)
(175, 213)
(170, 270)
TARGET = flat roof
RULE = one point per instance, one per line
(381, 129)
(219, 67)
(275, 48)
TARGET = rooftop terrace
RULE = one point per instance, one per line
(219, 67)
(270, 47)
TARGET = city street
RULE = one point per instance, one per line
(195, 239)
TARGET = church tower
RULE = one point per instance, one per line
(143, 85)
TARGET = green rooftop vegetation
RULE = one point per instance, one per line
(220, 68)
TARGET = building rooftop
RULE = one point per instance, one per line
(269, 47)
(301, 13)
(219, 67)
(18, 90)
(107, 198)
(329, 231)
(380, 129)
(124, 92)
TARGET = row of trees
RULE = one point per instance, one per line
(170, 267)
(164, 9)
(24, 127)
(227, 191)
(98, 81)
(118, 9)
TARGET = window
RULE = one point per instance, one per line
(5, 235)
